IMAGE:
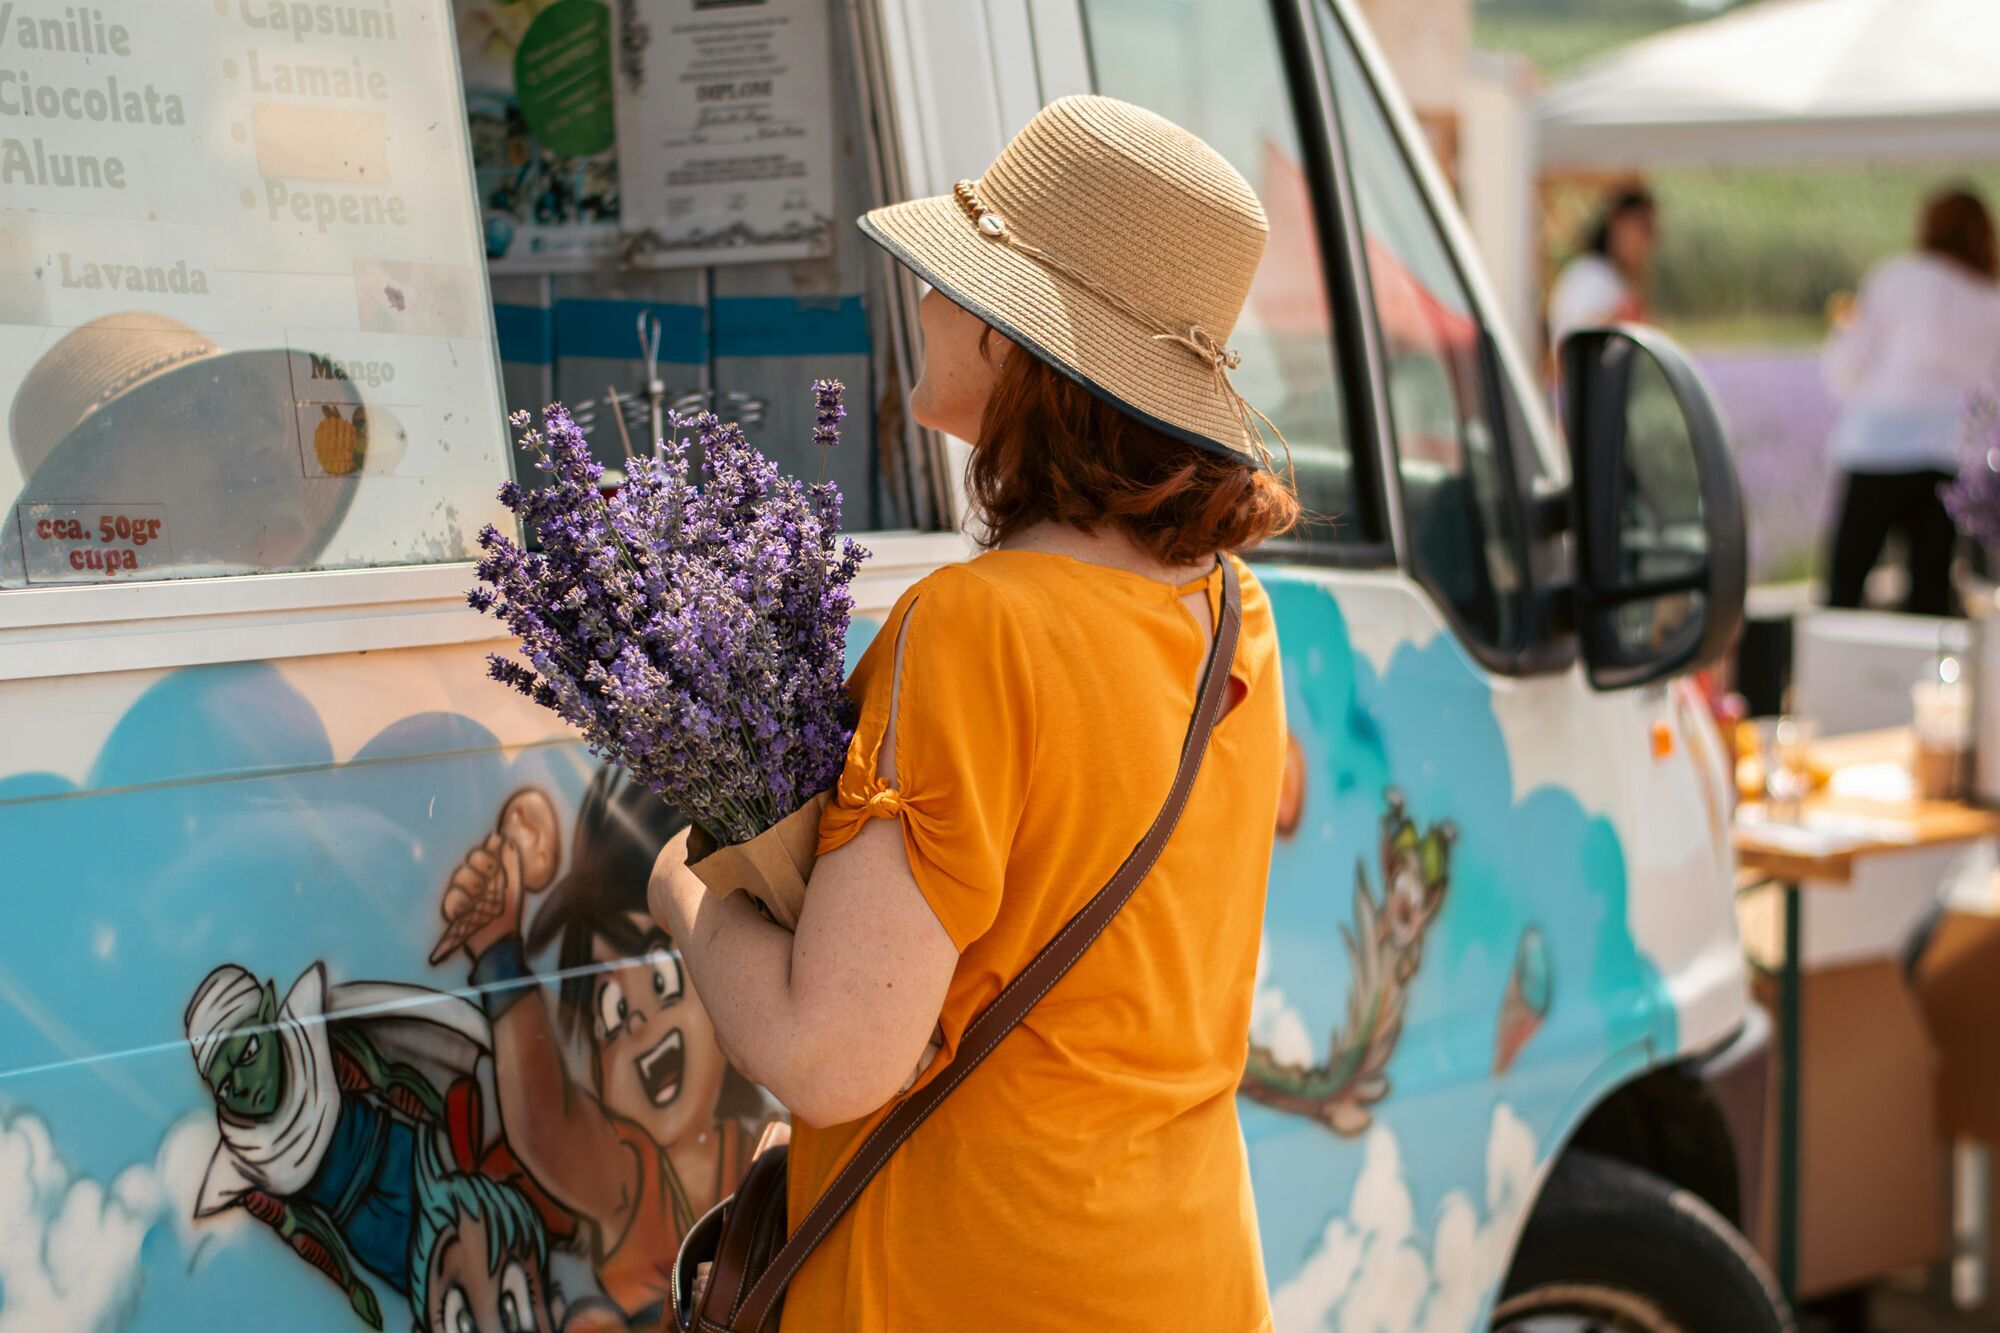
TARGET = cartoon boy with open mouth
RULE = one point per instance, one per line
(665, 1128)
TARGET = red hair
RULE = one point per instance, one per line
(1050, 450)
(1957, 226)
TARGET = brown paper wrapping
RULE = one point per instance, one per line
(773, 868)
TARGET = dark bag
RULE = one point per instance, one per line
(735, 1263)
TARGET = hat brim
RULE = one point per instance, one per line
(1082, 336)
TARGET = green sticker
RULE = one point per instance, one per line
(562, 76)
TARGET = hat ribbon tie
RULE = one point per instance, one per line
(1204, 345)
(1221, 361)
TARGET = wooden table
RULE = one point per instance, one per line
(1856, 828)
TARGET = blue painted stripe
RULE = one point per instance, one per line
(745, 326)
(609, 330)
(527, 333)
(789, 326)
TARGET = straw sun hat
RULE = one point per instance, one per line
(1116, 247)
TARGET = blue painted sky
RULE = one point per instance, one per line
(1426, 726)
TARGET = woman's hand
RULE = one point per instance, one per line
(831, 1020)
(674, 893)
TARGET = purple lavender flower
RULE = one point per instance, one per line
(1973, 498)
(692, 628)
(829, 412)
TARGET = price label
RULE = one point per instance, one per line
(93, 543)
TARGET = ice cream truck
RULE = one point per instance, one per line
(271, 274)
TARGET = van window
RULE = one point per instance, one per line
(240, 334)
(1216, 67)
(1459, 501)
(227, 348)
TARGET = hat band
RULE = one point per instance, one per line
(167, 361)
(1204, 345)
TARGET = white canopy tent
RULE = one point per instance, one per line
(1788, 81)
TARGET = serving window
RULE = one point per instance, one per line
(270, 273)
(242, 322)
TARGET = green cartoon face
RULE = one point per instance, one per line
(247, 1073)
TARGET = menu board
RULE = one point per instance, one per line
(243, 316)
(725, 130)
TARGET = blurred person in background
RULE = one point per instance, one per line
(1606, 282)
(1902, 360)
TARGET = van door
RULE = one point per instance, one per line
(1470, 933)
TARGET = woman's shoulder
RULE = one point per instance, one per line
(1588, 274)
(978, 610)
(1903, 266)
(1007, 592)
(1259, 643)
(975, 587)
(1919, 272)
(951, 620)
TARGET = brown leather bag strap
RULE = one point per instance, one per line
(1022, 994)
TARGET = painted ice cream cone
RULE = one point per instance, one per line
(537, 861)
(1526, 1001)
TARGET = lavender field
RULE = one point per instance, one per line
(1777, 414)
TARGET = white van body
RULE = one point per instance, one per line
(281, 770)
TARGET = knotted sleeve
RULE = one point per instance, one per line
(964, 745)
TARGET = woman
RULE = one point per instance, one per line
(1605, 283)
(1021, 717)
(1924, 334)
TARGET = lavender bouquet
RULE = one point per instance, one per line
(1973, 498)
(692, 625)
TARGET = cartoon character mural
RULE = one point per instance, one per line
(479, 1260)
(352, 1118)
(1385, 945)
(320, 1104)
(661, 1127)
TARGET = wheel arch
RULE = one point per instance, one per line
(1696, 1123)
(1668, 1122)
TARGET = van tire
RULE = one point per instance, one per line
(1621, 1249)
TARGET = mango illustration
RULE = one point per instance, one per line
(340, 443)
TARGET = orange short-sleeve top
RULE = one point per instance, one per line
(1092, 1174)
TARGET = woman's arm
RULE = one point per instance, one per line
(832, 1019)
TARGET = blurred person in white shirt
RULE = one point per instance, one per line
(1606, 282)
(1902, 360)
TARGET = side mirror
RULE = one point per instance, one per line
(1661, 564)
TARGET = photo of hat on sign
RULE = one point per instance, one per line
(150, 452)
